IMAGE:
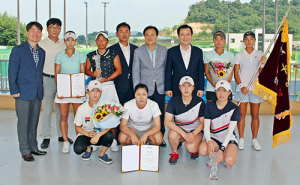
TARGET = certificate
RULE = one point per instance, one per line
(144, 158)
(70, 85)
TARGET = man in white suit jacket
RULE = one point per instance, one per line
(148, 67)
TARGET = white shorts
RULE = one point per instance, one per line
(249, 97)
(109, 91)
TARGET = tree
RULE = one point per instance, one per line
(139, 34)
(8, 30)
(81, 39)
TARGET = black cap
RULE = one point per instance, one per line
(249, 33)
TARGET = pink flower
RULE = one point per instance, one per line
(216, 71)
(116, 107)
(108, 106)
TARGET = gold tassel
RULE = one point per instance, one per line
(280, 138)
(285, 31)
(266, 94)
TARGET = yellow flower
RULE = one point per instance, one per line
(104, 113)
(98, 116)
(221, 73)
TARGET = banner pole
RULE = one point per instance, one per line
(269, 47)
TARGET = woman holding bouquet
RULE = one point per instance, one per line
(69, 61)
(246, 63)
(87, 136)
(104, 65)
(218, 65)
(141, 122)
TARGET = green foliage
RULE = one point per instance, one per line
(245, 16)
(139, 34)
(81, 39)
(8, 30)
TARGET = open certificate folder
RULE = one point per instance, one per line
(144, 157)
(70, 85)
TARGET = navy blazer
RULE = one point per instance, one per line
(121, 82)
(175, 69)
(24, 77)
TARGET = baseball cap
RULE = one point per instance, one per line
(222, 34)
(94, 84)
(223, 83)
(186, 79)
(249, 33)
(70, 34)
(102, 33)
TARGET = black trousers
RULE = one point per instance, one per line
(160, 100)
(82, 142)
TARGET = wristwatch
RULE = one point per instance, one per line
(241, 85)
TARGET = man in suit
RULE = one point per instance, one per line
(25, 74)
(184, 60)
(148, 67)
(125, 50)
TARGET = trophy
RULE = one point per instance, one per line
(98, 67)
(214, 168)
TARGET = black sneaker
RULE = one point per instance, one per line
(61, 139)
(163, 144)
(194, 156)
(174, 157)
(45, 143)
(180, 144)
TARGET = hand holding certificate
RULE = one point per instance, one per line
(70, 85)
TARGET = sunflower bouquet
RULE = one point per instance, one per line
(220, 69)
(107, 114)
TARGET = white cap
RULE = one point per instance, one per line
(102, 33)
(186, 79)
(70, 34)
(94, 84)
(223, 83)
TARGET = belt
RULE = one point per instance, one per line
(50, 76)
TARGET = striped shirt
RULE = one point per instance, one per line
(186, 117)
(220, 119)
(35, 53)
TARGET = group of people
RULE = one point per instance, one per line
(139, 79)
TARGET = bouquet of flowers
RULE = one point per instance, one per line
(220, 69)
(107, 114)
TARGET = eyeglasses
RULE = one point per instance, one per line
(55, 27)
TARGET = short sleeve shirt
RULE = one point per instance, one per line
(70, 65)
(220, 119)
(186, 117)
(51, 49)
(106, 62)
(141, 119)
(248, 65)
(212, 55)
(84, 118)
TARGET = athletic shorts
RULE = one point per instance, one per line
(230, 142)
(210, 95)
(139, 132)
(249, 97)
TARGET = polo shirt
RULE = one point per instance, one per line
(248, 65)
(226, 56)
(70, 65)
(51, 49)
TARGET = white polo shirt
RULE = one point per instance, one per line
(51, 48)
(84, 118)
(186, 55)
(141, 119)
(248, 65)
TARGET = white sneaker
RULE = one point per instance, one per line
(241, 143)
(255, 144)
(95, 148)
(114, 146)
(66, 147)
(209, 162)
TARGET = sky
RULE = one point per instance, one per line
(138, 13)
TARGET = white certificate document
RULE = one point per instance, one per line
(149, 158)
(130, 158)
(78, 84)
(63, 85)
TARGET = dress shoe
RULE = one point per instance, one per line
(38, 152)
(163, 144)
(61, 139)
(28, 157)
(45, 143)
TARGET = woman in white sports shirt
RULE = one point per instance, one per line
(246, 63)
